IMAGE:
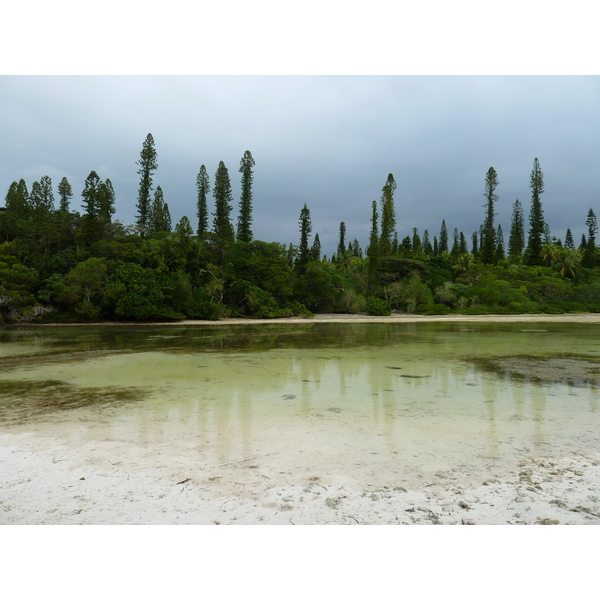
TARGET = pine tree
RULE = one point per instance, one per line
(475, 249)
(388, 216)
(203, 185)
(547, 234)
(66, 193)
(315, 251)
(91, 195)
(148, 164)
(222, 226)
(106, 201)
(499, 244)
(533, 253)
(443, 243)
(342, 243)
(516, 240)
(244, 230)
(373, 248)
(463, 244)
(589, 254)
(92, 228)
(583, 243)
(455, 251)
(488, 240)
(569, 243)
(427, 247)
(436, 246)
(304, 254)
(416, 242)
(159, 218)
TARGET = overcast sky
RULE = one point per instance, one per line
(327, 141)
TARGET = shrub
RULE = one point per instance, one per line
(377, 307)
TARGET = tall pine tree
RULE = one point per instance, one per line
(244, 226)
(222, 226)
(388, 216)
(148, 164)
(535, 241)
(304, 252)
(488, 240)
(516, 240)
(203, 185)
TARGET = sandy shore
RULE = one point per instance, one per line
(45, 481)
(364, 318)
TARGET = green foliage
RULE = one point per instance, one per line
(134, 292)
(537, 225)
(203, 185)
(489, 240)
(377, 307)
(148, 164)
(244, 228)
(222, 227)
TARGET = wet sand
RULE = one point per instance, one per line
(45, 481)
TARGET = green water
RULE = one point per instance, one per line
(375, 403)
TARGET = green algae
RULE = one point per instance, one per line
(27, 400)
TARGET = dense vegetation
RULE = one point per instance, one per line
(59, 265)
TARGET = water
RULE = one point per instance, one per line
(371, 404)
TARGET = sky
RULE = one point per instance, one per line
(327, 141)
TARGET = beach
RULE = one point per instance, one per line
(48, 481)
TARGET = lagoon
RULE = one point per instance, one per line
(417, 405)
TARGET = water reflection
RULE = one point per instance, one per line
(375, 402)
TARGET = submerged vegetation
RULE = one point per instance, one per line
(62, 266)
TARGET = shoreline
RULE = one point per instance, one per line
(351, 318)
(46, 480)
(46, 483)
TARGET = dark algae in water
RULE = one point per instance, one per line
(26, 400)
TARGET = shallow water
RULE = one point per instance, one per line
(372, 404)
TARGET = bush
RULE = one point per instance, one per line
(377, 307)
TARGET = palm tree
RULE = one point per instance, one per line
(567, 262)
(549, 253)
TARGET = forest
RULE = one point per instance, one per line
(60, 265)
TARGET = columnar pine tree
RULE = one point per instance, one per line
(148, 164)
(589, 255)
(463, 244)
(66, 193)
(342, 243)
(304, 253)
(443, 243)
(547, 234)
(244, 229)
(436, 246)
(315, 251)
(417, 246)
(202, 183)
(474, 243)
(106, 201)
(222, 226)
(569, 242)
(455, 251)
(499, 244)
(516, 240)
(160, 218)
(583, 243)
(388, 216)
(427, 247)
(373, 248)
(488, 240)
(92, 227)
(533, 253)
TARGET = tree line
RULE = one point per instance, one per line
(59, 265)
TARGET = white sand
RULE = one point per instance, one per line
(44, 481)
